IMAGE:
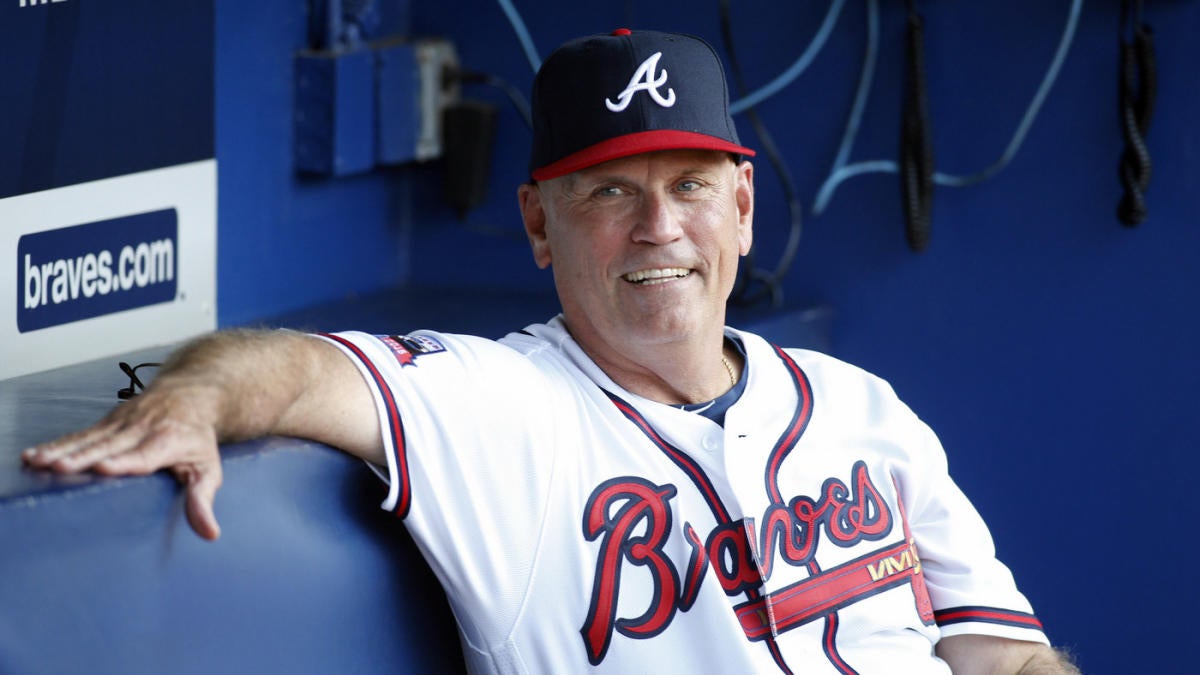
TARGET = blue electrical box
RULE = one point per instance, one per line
(380, 104)
(335, 112)
(398, 103)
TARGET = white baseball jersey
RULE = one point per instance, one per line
(577, 526)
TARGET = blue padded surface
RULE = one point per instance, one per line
(308, 576)
(103, 575)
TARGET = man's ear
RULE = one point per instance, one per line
(533, 212)
(744, 196)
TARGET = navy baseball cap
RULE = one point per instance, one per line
(604, 97)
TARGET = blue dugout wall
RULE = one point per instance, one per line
(1049, 346)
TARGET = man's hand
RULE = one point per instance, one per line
(171, 426)
(228, 386)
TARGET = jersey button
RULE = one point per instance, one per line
(711, 442)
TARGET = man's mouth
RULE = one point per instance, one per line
(656, 276)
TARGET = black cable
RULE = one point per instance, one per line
(1138, 90)
(916, 146)
(749, 275)
(466, 184)
(514, 95)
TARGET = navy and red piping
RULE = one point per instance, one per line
(395, 425)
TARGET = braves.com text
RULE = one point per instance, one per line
(98, 268)
(98, 273)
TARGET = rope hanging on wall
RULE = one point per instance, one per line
(1138, 87)
(916, 145)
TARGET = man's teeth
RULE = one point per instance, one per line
(658, 276)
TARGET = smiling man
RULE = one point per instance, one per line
(644, 251)
(632, 486)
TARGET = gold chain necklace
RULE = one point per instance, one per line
(729, 369)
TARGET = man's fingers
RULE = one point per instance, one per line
(125, 444)
(46, 455)
(201, 483)
(138, 453)
(162, 429)
(131, 450)
(117, 432)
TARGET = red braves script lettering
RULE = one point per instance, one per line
(632, 519)
(632, 516)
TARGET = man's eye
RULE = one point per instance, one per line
(609, 191)
(688, 186)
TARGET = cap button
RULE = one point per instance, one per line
(622, 31)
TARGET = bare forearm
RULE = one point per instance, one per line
(246, 380)
(278, 382)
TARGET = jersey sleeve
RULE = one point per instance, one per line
(468, 433)
(972, 591)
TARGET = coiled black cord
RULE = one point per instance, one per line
(1139, 87)
(769, 283)
(916, 146)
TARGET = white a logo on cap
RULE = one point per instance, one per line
(644, 80)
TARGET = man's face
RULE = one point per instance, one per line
(644, 249)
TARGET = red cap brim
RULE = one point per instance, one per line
(635, 144)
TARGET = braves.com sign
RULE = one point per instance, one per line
(90, 270)
(107, 267)
(108, 180)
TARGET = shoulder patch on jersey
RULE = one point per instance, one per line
(406, 348)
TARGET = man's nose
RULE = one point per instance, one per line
(659, 220)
